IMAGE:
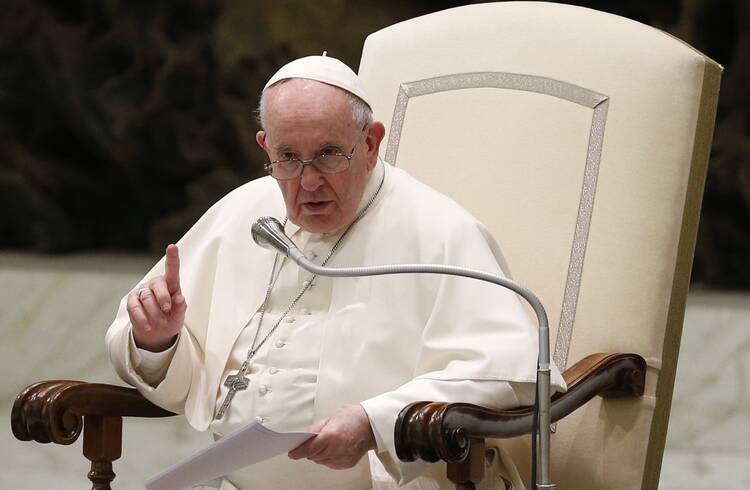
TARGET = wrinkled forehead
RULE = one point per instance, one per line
(302, 98)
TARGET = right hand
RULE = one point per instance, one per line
(157, 309)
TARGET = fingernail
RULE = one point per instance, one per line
(165, 307)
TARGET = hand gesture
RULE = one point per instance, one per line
(157, 309)
(342, 439)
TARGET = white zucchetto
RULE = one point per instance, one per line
(322, 69)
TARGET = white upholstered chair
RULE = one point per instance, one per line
(581, 140)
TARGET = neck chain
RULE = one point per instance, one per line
(238, 382)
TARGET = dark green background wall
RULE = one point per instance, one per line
(121, 121)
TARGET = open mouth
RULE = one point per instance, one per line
(316, 207)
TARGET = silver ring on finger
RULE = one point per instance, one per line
(141, 291)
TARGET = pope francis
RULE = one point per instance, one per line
(227, 332)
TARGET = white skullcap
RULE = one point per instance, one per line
(322, 69)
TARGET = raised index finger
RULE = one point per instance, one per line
(172, 269)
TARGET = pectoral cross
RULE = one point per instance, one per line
(235, 382)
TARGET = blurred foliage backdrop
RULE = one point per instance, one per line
(122, 121)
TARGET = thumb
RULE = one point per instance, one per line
(316, 427)
(179, 305)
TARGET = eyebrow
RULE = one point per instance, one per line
(285, 147)
(281, 147)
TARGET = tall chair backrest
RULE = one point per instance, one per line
(581, 140)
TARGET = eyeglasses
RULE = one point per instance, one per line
(328, 162)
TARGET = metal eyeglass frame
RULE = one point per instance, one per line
(269, 166)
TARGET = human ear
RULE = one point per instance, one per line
(260, 138)
(375, 134)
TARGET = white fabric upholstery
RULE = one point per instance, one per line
(524, 161)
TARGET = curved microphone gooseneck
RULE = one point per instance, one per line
(268, 233)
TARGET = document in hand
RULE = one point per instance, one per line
(244, 447)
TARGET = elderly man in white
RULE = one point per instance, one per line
(227, 333)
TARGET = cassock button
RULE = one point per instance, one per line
(280, 343)
(305, 311)
(263, 389)
(273, 370)
(259, 419)
(290, 319)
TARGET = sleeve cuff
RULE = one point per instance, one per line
(151, 366)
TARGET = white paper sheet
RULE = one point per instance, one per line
(244, 447)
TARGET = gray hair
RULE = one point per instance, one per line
(361, 112)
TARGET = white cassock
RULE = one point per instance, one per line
(381, 341)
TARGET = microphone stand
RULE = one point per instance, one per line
(268, 233)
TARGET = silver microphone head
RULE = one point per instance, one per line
(268, 233)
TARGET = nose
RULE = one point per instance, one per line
(311, 178)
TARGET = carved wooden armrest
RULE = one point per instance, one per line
(438, 430)
(56, 411)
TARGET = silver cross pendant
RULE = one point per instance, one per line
(235, 382)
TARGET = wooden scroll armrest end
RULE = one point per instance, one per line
(53, 411)
(435, 431)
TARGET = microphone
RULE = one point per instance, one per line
(269, 234)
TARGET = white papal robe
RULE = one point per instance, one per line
(378, 341)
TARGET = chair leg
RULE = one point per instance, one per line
(102, 444)
(471, 471)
